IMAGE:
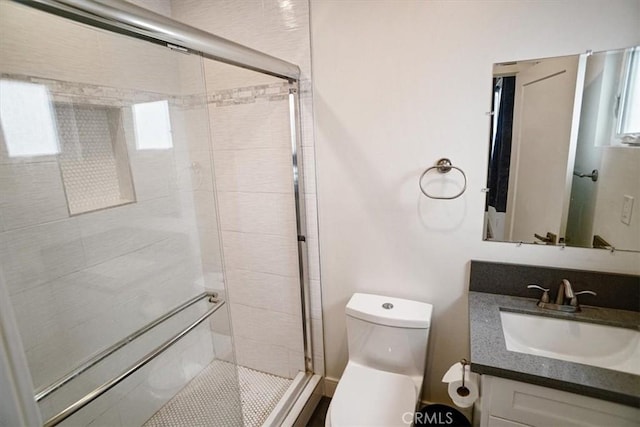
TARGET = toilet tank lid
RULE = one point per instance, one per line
(390, 311)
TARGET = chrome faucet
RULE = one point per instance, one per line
(565, 291)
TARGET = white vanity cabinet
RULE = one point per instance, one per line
(508, 403)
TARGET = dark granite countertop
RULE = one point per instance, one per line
(490, 356)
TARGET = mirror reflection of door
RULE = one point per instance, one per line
(546, 100)
(600, 81)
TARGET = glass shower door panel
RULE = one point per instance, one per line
(251, 137)
(107, 212)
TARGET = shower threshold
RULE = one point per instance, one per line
(224, 395)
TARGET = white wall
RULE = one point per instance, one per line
(398, 85)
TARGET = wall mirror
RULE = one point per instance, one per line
(564, 151)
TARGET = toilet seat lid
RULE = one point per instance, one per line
(370, 397)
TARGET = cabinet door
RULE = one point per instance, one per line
(541, 406)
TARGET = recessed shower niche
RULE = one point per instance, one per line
(93, 158)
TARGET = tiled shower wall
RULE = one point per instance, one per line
(252, 163)
(80, 283)
(251, 143)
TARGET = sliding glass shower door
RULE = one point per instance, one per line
(109, 241)
(151, 233)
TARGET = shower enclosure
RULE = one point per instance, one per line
(152, 246)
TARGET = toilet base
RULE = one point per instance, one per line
(371, 397)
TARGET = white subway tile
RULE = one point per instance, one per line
(55, 49)
(153, 173)
(263, 290)
(198, 207)
(32, 194)
(156, 68)
(114, 232)
(210, 248)
(268, 213)
(55, 356)
(264, 357)
(193, 171)
(261, 253)
(34, 255)
(174, 259)
(59, 305)
(34, 313)
(249, 126)
(266, 326)
(221, 76)
(256, 170)
(190, 129)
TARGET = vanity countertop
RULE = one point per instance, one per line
(490, 356)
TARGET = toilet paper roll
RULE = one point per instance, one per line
(455, 373)
(464, 401)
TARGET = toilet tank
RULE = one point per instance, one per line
(390, 334)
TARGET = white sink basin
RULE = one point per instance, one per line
(596, 345)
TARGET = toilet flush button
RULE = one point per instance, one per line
(387, 306)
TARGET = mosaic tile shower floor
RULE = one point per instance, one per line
(224, 395)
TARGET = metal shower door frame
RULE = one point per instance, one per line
(125, 18)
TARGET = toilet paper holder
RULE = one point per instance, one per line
(463, 390)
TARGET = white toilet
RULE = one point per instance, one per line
(381, 385)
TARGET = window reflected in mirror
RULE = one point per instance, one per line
(629, 112)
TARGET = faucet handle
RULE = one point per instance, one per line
(545, 295)
(574, 300)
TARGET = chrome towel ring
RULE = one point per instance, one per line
(443, 166)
